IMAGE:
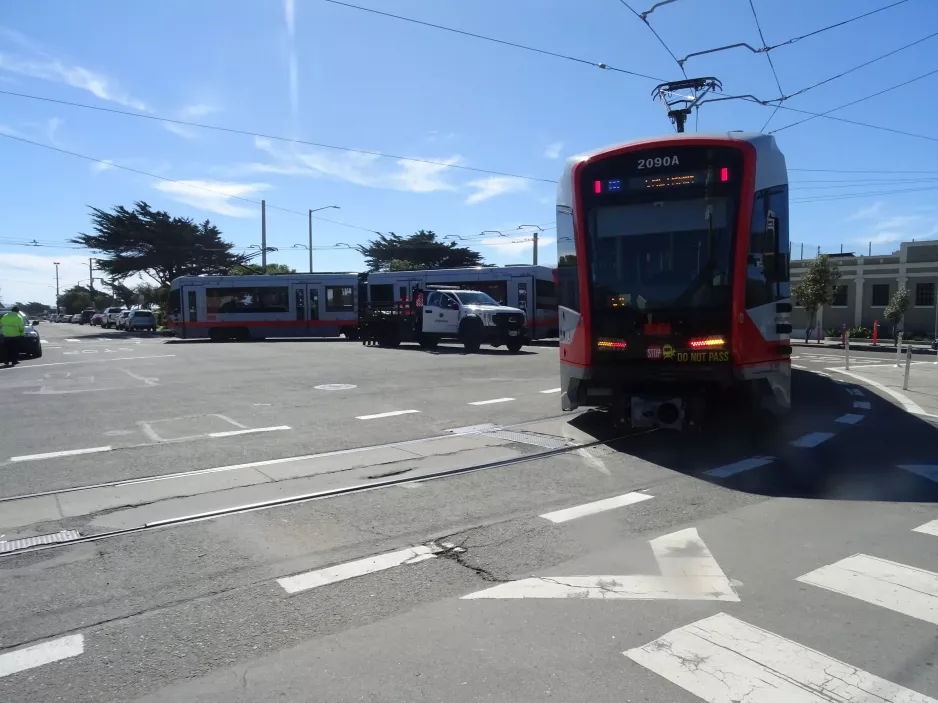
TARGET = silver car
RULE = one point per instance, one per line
(140, 320)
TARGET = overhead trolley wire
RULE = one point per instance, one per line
(858, 100)
(787, 41)
(781, 92)
(604, 66)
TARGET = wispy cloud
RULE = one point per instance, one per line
(893, 229)
(52, 128)
(493, 186)
(361, 169)
(27, 276)
(553, 150)
(13, 132)
(35, 62)
(867, 212)
(214, 196)
(289, 10)
(102, 166)
(192, 112)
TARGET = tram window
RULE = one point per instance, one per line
(339, 299)
(193, 307)
(175, 301)
(382, 293)
(767, 259)
(546, 294)
(300, 305)
(247, 300)
(313, 303)
(523, 296)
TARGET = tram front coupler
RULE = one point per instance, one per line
(663, 413)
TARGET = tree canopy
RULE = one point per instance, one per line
(898, 305)
(421, 250)
(257, 269)
(78, 298)
(816, 287)
(150, 241)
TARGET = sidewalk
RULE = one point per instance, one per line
(885, 346)
(920, 399)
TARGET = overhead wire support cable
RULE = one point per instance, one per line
(781, 92)
(248, 133)
(857, 68)
(787, 41)
(601, 65)
(178, 181)
(661, 41)
(854, 102)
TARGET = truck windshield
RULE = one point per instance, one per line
(663, 254)
(474, 298)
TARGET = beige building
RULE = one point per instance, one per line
(868, 282)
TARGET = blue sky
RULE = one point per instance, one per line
(315, 71)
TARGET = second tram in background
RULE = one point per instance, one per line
(673, 278)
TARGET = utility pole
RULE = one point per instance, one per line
(264, 235)
(311, 240)
(325, 207)
(91, 279)
(537, 231)
(56, 287)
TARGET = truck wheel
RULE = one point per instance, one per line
(470, 334)
(428, 342)
(514, 344)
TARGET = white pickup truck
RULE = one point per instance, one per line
(436, 313)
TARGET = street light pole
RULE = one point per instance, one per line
(264, 235)
(326, 207)
(56, 287)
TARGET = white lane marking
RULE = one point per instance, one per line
(849, 419)
(145, 379)
(494, 400)
(66, 452)
(723, 660)
(812, 439)
(232, 433)
(39, 654)
(551, 390)
(233, 422)
(929, 471)
(352, 569)
(598, 506)
(753, 462)
(798, 366)
(688, 572)
(910, 405)
(888, 584)
(390, 414)
(929, 528)
(91, 361)
(861, 405)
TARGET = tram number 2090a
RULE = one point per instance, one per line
(658, 162)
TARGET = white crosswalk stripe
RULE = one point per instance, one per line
(724, 660)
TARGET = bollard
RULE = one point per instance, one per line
(908, 364)
(847, 352)
(899, 351)
(875, 332)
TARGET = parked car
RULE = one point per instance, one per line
(76, 318)
(31, 347)
(140, 320)
(97, 319)
(85, 316)
(121, 319)
(110, 317)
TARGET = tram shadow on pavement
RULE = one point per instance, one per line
(862, 461)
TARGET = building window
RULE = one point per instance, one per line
(247, 299)
(880, 295)
(925, 294)
(339, 299)
(840, 296)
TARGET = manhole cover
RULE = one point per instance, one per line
(335, 387)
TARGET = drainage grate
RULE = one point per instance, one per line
(54, 538)
(538, 440)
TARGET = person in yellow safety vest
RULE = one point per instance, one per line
(14, 329)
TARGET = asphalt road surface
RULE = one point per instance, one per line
(440, 531)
